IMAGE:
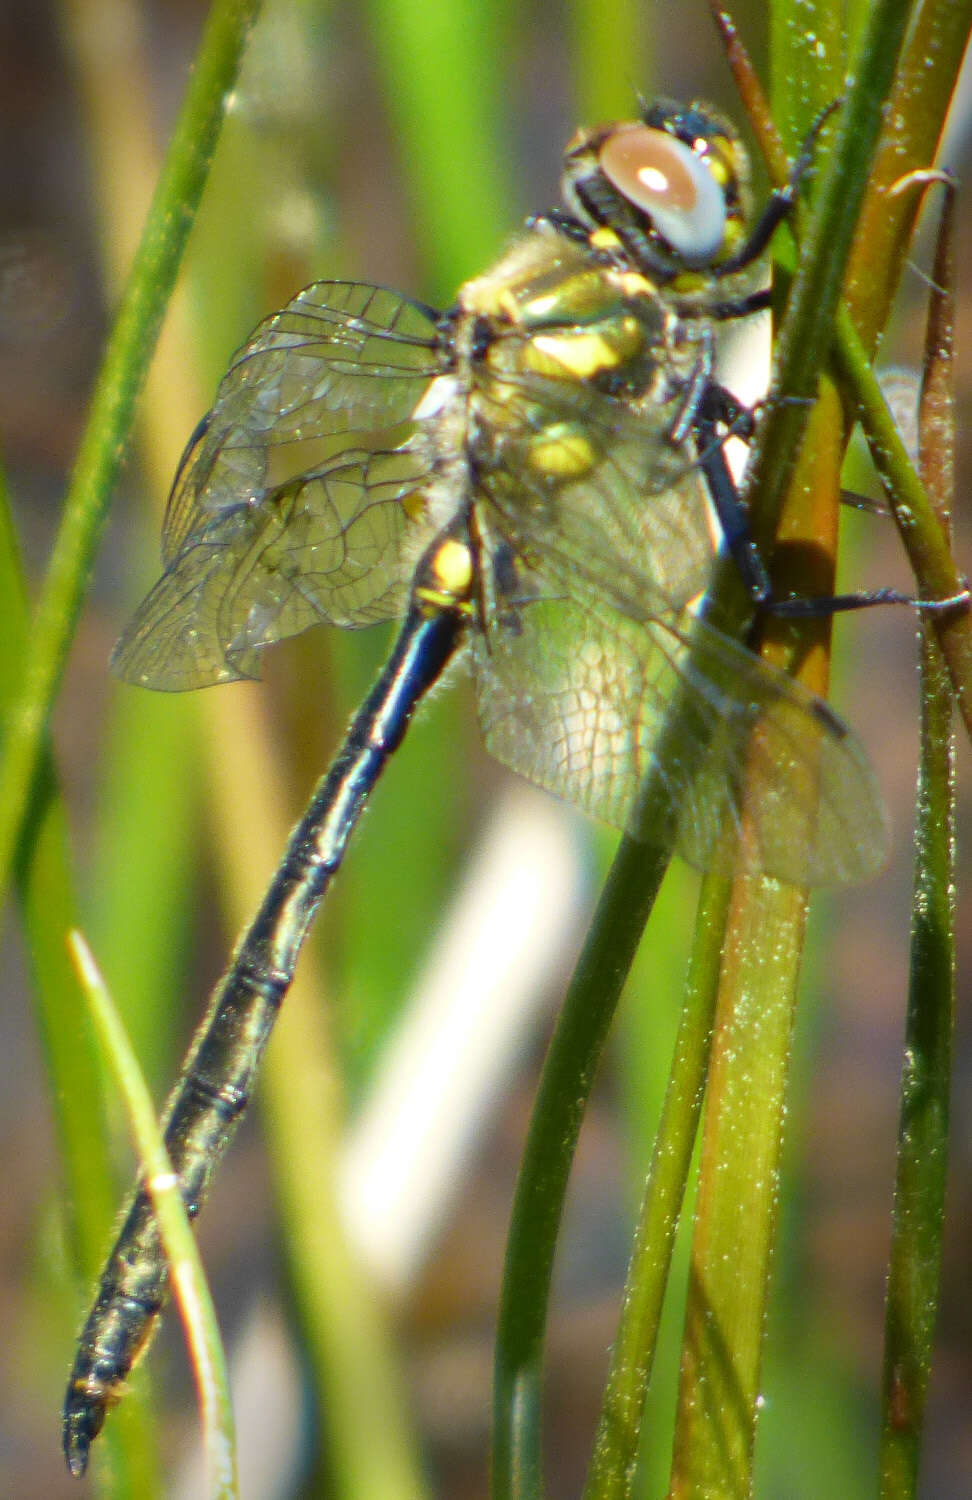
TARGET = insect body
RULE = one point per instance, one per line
(529, 480)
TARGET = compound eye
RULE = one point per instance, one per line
(671, 186)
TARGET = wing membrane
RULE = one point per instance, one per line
(593, 675)
(288, 507)
(326, 548)
(636, 516)
(581, 700)
(341, 361)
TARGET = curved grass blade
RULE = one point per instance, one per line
(922, 533)
(185, 1267)
(738, 1201)
(722, 1364)
(926, 75)
(578, 1041)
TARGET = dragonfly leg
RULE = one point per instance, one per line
(835, 604)
(719, 414)
(780, 202)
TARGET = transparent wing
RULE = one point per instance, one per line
(326, 547)
(587, 702)
(289, 504)
(598, 486)
(593, 676)
(342, 360)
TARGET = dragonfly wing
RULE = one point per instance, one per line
(589, 702)
(290, 504)
(594, 676)
(327, 547)
(583, 478)
(341, 361)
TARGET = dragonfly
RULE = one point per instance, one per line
(533, 481)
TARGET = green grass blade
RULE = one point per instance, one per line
(619, 1429)
(739, 1187)
(568, 1074)
(922, 533)
(185, 1267)
(48, 897)
(737, 1205)
(922, 89)
(923, 1126)
(610, 46)
(917, 109)
(806, 335)
(738, 1193)
(762, 943)
(563, 1091)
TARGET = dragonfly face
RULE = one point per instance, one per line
(551, 421)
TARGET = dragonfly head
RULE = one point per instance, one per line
(669, 190)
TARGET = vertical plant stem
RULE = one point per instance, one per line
(937, 41)
(738, 1203)
(806, 334)
(48, 902)
(922, 532)
(445, 89)
(568, 1074)
(919, 1202)
(738, 1194)
(45, 888)
(619, 1429)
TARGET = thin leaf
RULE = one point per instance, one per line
(619, 1430)
(922, 1158)
(738, 1203)
(921, 531)
(185, 1266)
(738, 1200)
(805, 337)
(568, 1074)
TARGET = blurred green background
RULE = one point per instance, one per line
(400, 144)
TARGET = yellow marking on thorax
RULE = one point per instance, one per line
(588, 354)
(562, 452)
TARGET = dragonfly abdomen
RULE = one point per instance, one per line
(218, 1079)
